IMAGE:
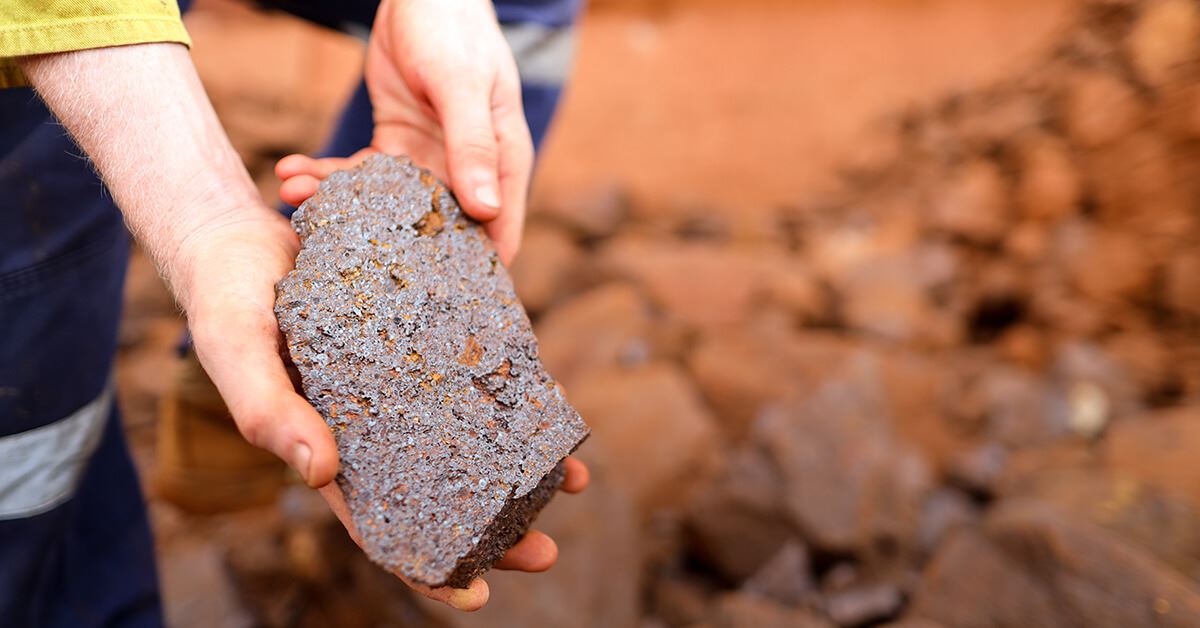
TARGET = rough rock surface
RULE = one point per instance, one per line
(413, 346)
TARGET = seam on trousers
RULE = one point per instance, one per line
(41, 468)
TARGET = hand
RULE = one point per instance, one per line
(229, 272)
(445, 90)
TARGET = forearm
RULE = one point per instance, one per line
(141, 115)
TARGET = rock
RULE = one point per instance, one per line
(1158, 449)
(543, 270)
(1108, 266)
(786, 577)
(698, 285)
(971, 583)
(197, 589)
(1165, 525)
(799, 292)
(1024, 345)
(596, 582)
(945, 511)
(1049, 186)
(1095, 388)
(1183, 284)
(1181, 108)
(921, 392)
(411, 344)
(972, 204)
(738, 371)
(591, 212)
(912, 623)
(1145, 190)
(864, 604)
(873, 229)
(979, 469)
(1028, 241)
(1037, 566)
(681, 601)
(1054, 302)
(1019, 407)
(741, 610)
(1098, 107)
(883, 299)
(652, 422)
(848, 482)
(995, 116)
(736, 524)
(1145, 358)
(1164, 38)
(604, 327)
(289, 99)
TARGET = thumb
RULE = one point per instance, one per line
(240, 352)
(471, 151)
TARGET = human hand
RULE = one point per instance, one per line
(446, 92)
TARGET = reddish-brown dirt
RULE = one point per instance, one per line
(737, 105)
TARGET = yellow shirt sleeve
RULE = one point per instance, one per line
(29, 27)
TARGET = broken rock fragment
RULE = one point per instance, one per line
(412, 345)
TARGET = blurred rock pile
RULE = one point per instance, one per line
(963, 392)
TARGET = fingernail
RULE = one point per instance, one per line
(301, 459)
(488, 195)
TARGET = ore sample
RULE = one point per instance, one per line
(412, 345)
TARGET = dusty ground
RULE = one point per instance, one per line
(739, 105)
(910, 286)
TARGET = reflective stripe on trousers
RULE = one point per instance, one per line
(43, 466)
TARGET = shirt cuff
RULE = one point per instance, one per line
(81, 34)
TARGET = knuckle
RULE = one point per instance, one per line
(475, 149)
(255, 426)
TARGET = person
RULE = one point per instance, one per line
(75, 546)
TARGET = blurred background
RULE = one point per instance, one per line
(883, 312)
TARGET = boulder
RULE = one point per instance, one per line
(543, 270)
(786, 578)
(736, 524)
(1183, 284)
(1164, 38)
(699, 285)
(604, 327)
(1098, 107)
(652, 422)
(742, 610)
(1049, 186)
(1034, 565)
(972, 203)
(848, 482)
(1158, 449)
(739, 371)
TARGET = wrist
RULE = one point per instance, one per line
(195, 262)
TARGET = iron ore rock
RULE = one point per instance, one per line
(411, 343)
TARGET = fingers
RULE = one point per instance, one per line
(239, 352)
(578, 476)
(470, 599)
(536, 552)
(515, 148)
(302, 174)
(296, 190)
(471, 153)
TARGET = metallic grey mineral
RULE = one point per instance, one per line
(411, 343)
